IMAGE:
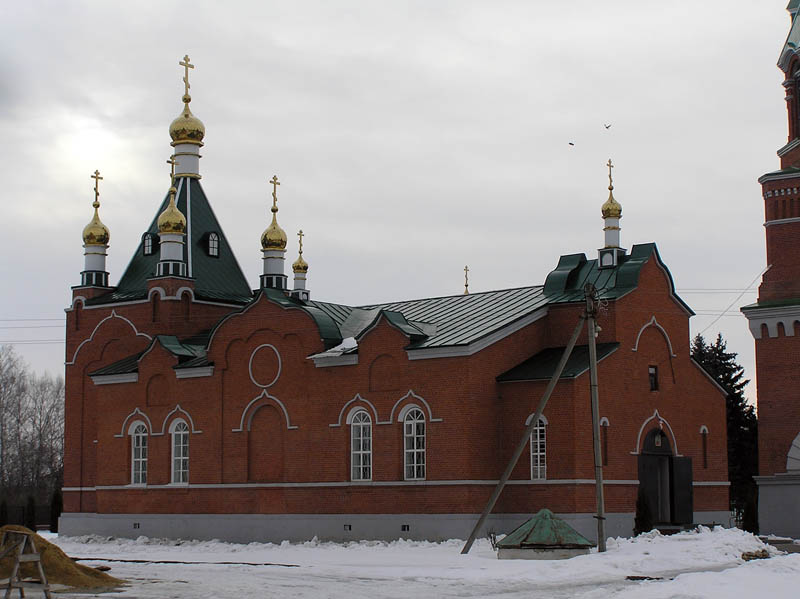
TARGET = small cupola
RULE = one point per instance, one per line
(273, 246)
(610, 255)
(300, 270)
(171, 234)
(95, 244)
(187, 132)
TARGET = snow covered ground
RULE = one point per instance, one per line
(704, 564)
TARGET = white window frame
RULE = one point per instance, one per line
(414, 444)
(179, 430)
(147, 244)
(139, 442)
(361, 446)
(538, 443)
(213, 245)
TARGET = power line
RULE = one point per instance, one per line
(738, 297)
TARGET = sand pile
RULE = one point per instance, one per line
(58, 567)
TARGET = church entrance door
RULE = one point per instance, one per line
(666, 480)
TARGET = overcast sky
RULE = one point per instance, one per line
(411, 139)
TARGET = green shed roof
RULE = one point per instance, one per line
(543, 365)
(544, 531)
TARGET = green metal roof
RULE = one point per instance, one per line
(450, 320)
(215, 278)
(544, 531)
(795, 301)
(543, 365)
(565, 283)
(190, 352)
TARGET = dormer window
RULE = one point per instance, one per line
(213, 245)
(147, 244)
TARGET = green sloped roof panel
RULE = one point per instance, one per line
(544, 531)
(543, 365)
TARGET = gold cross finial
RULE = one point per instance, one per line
(300, 234)
(97, 178)
(610, 180)
(466, 280)
(186, 66)
(172, 162)
(275, 184)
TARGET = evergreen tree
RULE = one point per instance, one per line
(742, 424)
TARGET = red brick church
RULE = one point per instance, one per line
(198, 407)
(775, 319)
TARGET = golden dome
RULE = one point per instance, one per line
(172, 220)
(273, 238)
(300, 265)
(96, 233)
(187, 128)
(612, 208)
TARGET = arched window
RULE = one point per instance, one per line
(180, 451)
(361, 446)
(414, 437)
(604, 439)
(213, 245)
(539, 451)
(147, 244)
(138, 433)
(704, 442)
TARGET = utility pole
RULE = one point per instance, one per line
(525, 435)
(590, 293)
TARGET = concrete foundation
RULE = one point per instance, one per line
(244, 528)
(779, 504)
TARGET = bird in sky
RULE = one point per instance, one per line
(607, 126)
(572, 144)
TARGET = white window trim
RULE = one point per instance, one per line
(132, 432)
(407, 419)
(539, 466)
(358, 421)
(173, 435)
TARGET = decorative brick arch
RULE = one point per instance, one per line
(178, 412)
(363, 404)
(139, 415)
(665, 426)
(257, 402)
(412, 398)
(654, 323)
(99, 324)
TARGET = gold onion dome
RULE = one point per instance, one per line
(187, 128)
(96, 233)
(611, 208)
(172, 220)
(300, 265)
(273, 238)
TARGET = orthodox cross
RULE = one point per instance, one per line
(275, 184)
(97, 178)
(172, 162)
(466, 280)
(300, 234)
(186, 66)
(610, 181)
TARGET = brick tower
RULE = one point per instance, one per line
(775, 319)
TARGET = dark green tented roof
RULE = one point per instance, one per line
(543, 365)
(215, 278)
(544, 531)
